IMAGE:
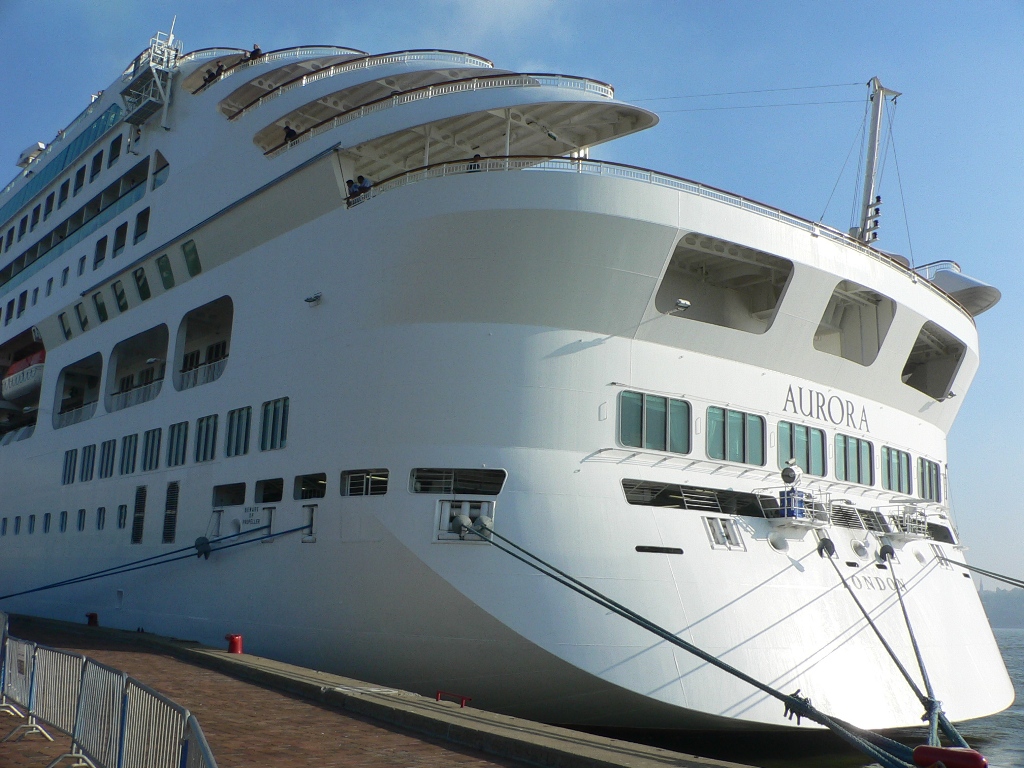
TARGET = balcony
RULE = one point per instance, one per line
(199, 375)
(134, 396)
(74, 415)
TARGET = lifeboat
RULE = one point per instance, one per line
(24, 378)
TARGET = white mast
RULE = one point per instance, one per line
(871, 202)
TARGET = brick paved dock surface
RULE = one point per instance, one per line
(250, 724)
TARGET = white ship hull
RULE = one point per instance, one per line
(491, 320)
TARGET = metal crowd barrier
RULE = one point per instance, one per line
(114, 721)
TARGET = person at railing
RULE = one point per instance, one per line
(289, 133)
(256, 52)
(209, 77)
(353, 188)
(364, 184)
(474, 164)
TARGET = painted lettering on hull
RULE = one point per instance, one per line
(832, 409)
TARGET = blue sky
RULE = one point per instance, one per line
(958, 129)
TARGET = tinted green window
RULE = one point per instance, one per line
(119, 296)
(655, 417)
(654, 422)
(191, 258)
(679, 426)
(163, 265)
(631, 419)
(804, 444)
(855, 460)
(142, 283)
(101, 307)
(755, 440)
(716, 433)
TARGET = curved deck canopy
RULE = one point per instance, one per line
(547, 128)
(331, 105)
(440, 58)
(273, 77)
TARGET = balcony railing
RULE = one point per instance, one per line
(74, 415)
(644, 175)
(203, 374)
(442, 57)
(581, 84)
(292, 53)
(134, 396)
(927, 271)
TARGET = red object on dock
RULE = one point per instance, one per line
(462, 699)
(951, 757)
(234, 643)
(93, 618)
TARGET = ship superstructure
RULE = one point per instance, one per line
(362, 297)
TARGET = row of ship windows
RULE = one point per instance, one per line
(273, 436)
(664, 424)
(356, 482)
(138, 517)
(96, 212)
(193, 265)
(99, 256)
(367, 482)
(29, 222)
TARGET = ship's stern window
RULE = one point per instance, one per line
(805, 445)
(88, 463)
(654, 422)
(854, 460)
(97, 165)
(79, 181)
(929, 478)
(108, 449)
(735, 436)
(151, 449)
(129, 451)
(100, 253)
(101, 307)
(896, 470)
(64, 521)
(62, 194)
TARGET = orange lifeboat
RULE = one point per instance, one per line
(24, 377)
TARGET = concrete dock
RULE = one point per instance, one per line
(259, 712)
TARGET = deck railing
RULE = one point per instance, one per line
(292, 53)
(444, 57)
(927, 271)
(75, 415)
(199, 375)
(444, 89)
(135, 396)
(644, 175)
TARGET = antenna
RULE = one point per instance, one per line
(170, 36)
(871, 203)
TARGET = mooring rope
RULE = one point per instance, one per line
(887, 752)
(155, 560)
(933, 709)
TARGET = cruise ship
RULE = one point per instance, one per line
(289, 337)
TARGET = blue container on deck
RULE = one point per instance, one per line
(793, 502)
